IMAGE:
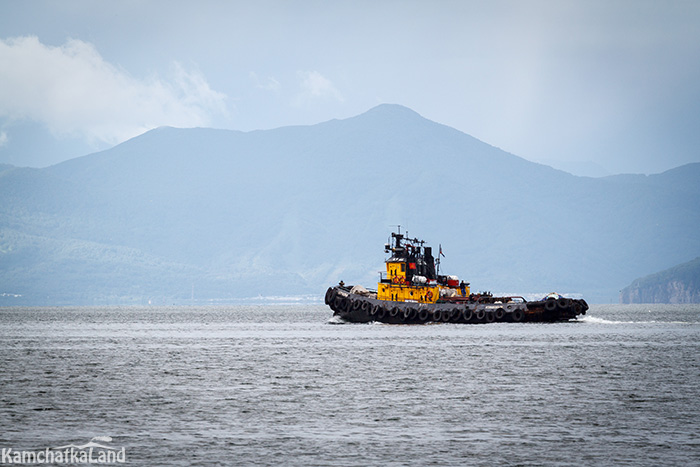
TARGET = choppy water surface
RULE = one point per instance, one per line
(279, 386)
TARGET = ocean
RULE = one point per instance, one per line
(277, 385)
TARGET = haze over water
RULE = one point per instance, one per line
(278, 386)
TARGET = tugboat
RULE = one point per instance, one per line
(414, 292)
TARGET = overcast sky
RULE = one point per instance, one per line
(612, 83)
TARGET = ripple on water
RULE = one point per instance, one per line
(277, 385)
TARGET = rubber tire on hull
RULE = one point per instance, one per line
(550, 304)
(410, 313)
(517, 316)
(437, 315)
(467, 314)
(330, 295)
(490, 317)
(577, 308)
(423, 315)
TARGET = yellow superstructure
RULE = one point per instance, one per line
(410, 275)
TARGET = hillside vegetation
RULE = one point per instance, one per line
(215, 215)
(679, 284)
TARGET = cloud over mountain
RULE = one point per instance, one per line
(74, 91)
(316, 86)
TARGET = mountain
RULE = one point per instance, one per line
(218, 214)
(679, 284)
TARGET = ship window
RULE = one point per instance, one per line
(403, 267)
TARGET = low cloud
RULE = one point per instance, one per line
(270, 84)
(315, 86)
(75, 92)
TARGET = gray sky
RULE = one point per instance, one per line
(612, 83)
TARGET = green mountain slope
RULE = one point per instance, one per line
(292, 210)
(679, 284)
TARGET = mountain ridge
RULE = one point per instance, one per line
(313, 204)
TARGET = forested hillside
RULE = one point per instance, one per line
(178, 214)
(679, 284)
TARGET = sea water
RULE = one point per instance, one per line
(277, 385)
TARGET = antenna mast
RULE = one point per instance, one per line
(438, 259)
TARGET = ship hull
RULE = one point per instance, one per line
(363, 308)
